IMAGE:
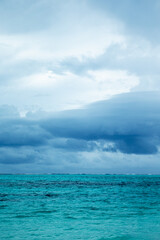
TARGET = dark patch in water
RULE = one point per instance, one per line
(3, 199)
(51, 195)
(3, 195)
(3, 206)
(24, 216)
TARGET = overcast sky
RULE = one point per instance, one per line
(79, 86)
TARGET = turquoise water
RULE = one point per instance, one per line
(70, 207)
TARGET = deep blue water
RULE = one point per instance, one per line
(70, 207)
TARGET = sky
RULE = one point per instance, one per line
(79, 86)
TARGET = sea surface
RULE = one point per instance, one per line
(72, 207)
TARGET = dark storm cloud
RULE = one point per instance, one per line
(128, 123)
(19, 132)
(18, 155)
(16, 131)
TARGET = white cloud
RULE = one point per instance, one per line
(111, 82)
(52, 91)
(89, 41)
(74, 31)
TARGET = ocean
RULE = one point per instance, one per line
(72, 207)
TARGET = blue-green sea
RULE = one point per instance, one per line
(72, 207)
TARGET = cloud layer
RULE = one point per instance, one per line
(50, 54)
(127, 125)
(79, 86)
